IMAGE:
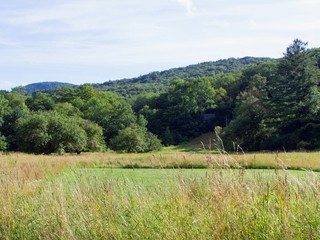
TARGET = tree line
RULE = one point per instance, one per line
(159, 81)
(265, 106)
(72, 120)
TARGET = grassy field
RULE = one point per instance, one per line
(290, 160)
(153, 178)
(160, 196)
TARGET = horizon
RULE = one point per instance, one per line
(138, 75)
(97, 41)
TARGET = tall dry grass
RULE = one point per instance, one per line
(220, 206)
(36, 166)
(223, 205)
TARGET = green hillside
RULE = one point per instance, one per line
(45, 86)
(159, 81)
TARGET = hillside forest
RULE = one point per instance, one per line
(255, 104)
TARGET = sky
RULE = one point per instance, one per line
(93, 41)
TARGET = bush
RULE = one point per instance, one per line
(129, 140)
(153, 142)
(3, 143)
(135, 140)
(53, 132)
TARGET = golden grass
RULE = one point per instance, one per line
(306, 160)
(222, 206)
(30, 167)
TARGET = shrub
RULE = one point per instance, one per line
(3, 143)
(53, 132)
(135, 139)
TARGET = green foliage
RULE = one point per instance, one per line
(63, 94)
(260, 105)
(109, 111)
(294, 97)
(156, 82)
(193, 96)
(153, 143)
(40, 102)
(48, 132)
(278, 105)
(67, 109)
(65, 131)
(95, 140)
(180, 109)
(4, 105)
(13, 108)
(247, 129)
(135, 139)
(44, 87)
(21, 90)
(291, 90)
(143, 100)
(168, 137)
(3, 143)
(85, 92)
(16, 101)
(130, 139)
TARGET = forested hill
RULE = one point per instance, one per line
(45, 86)
(159, 81)
(272, 105)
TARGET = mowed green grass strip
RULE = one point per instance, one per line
(150, 178)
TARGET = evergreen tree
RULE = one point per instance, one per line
(290, 92)
(294, 100)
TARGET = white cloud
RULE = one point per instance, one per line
(106, 39)
(188, 4)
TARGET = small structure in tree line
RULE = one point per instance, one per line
(206, 117)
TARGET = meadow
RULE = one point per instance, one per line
(166, 195)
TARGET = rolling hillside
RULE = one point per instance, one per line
(45, 86)
(159, 81)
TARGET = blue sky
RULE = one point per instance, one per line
(93, 41)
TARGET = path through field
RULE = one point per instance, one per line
(161, 177)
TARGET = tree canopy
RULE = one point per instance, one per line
(258, 104)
